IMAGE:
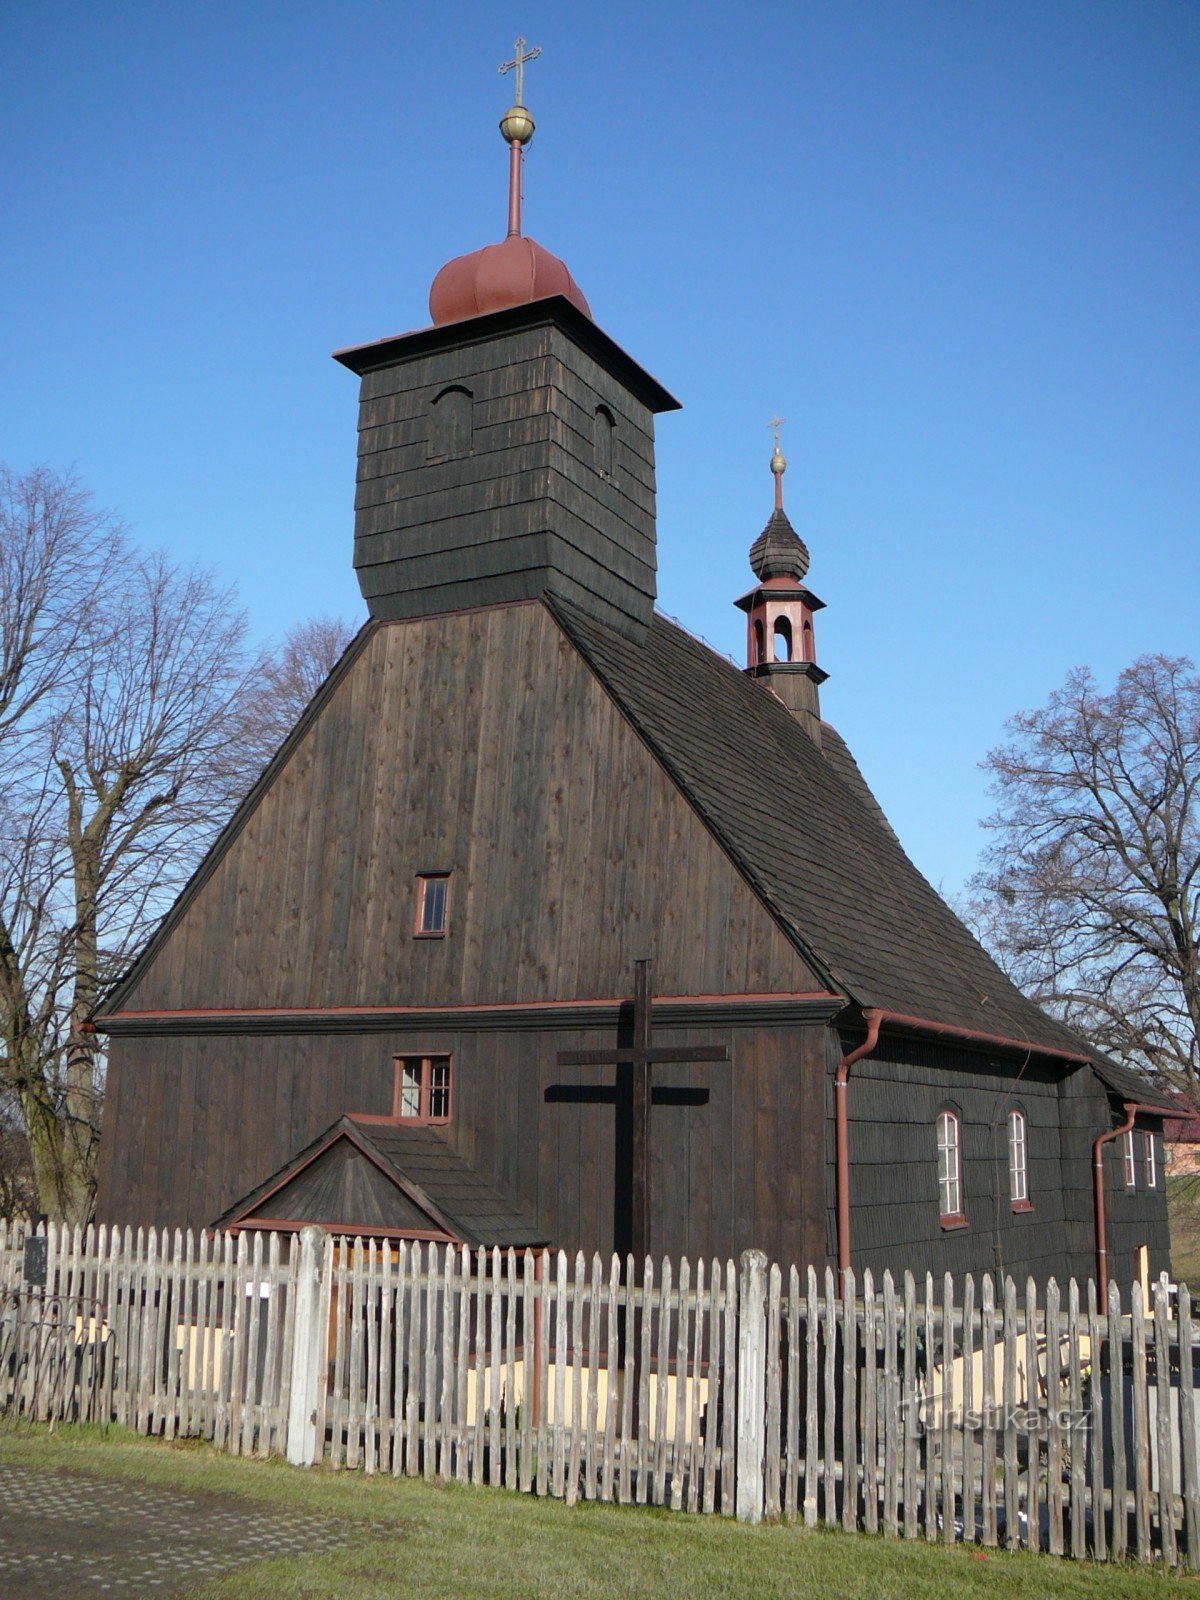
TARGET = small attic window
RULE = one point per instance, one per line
(783, 639)
(422, 1089)
(451, 424)
(604, 428)
(433, 905)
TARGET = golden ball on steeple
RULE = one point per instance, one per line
(516, 125)
(778, 464)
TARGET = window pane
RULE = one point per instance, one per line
(439, 1089)
(1017, 1170)
(410, 1089)
(433, 905)
(949, 1190)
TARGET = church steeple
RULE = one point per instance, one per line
(507, 451)
(780, 641)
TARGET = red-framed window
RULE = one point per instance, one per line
(1129, 1163)
(1151, 1156)
(433, 905)
(1018, 1160)
(950, 1175)
(423, 1089)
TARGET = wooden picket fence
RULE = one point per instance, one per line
(976, 1411)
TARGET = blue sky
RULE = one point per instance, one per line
(955, 244)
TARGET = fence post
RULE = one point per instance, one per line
(310, 1338)
(751, 1385)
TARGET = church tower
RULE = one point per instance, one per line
(780, 642)
(506, 451)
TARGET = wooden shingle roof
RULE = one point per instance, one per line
(803, 827)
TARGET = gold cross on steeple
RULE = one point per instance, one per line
(520, 57)
(776, 422)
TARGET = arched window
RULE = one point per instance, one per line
(1018, 1160)
(806, 653)
(605, 427)
(760, 643)
(451, 423)
(950, 1189)
(783, 639)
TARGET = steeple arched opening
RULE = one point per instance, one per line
(452, 423)
(783, 639)
(604, 428)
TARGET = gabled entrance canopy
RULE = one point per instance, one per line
(383, 1179)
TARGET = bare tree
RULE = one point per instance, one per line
(124, 748)
(291, 674)
(1089, 895)
(132, 720)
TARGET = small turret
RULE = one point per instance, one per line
(780, 641)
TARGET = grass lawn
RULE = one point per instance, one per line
(442, 1542)
(1183, 1205)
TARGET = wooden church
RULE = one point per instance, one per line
(516, 941)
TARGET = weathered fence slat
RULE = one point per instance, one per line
(1119, 1540)
(966, 1419)
(1054, 1440)
(988, 1410)
(771, 1503)
(681, 1386)
(909, 1408)
(1141, 1426)
(1162, 1426)
(695, 1444)
(892, 1422)
(812, 1449)
(792, 1397)
(1077, 1435)
(1190, 1484)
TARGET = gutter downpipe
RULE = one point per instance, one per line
(841, 1088)
(1132, 1107)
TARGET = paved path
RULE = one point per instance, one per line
(62, 1535)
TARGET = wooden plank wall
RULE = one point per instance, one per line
(478, 744)
(737, 1152)
(895, 1096)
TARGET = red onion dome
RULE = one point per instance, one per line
(511, 273)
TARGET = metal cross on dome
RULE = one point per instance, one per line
(776, 422)
(520, 57)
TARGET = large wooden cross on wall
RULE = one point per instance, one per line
(642, 1057)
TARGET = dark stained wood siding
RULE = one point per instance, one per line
(478, 743)
(525, 509)
(342, 1186)
(735, 1164)
(895, 1096)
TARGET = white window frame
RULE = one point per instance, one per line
(1151, 1160)
(1130, 1161)
(949, 1145)
(1018, 1158)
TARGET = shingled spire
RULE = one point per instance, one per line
(780, 644)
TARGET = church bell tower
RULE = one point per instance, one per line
(507, 451)
(780, 640)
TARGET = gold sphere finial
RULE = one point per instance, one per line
(778, 464)
(517, 125)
